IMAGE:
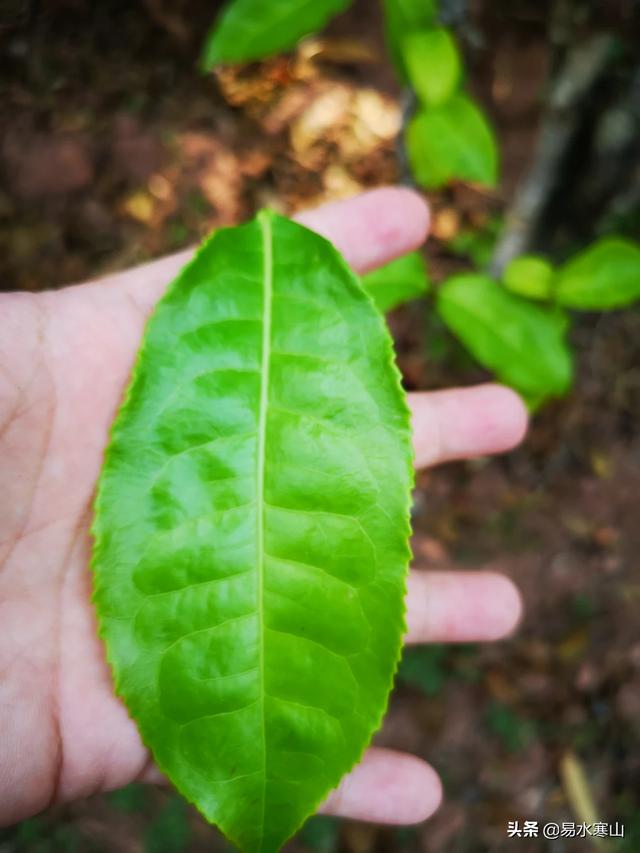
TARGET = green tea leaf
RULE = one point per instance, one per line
(248, 30)
(604, 276)
(401, 18)
(251, 529)
(452, 141)
(398, 282)
(529, 276)
(476, 243)
(522, 343)
(433, 64)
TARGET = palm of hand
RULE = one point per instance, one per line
(74, 352)
(64, 361)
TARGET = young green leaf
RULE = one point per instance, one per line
(604, 276)
(433, 64)
(248, 30)
(403, 17)
(452, 141)
(398, 282)
(529, 276)
(477, 243)
(251, 529)
(522, 343)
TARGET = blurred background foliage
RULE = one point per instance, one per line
(116, 148)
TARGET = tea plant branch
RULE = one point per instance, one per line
(409, 106)
(582, 67)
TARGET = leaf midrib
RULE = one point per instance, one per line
(264, 222)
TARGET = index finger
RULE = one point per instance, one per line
(373, 228)
(369, 229)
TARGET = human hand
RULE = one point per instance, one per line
(65, 358)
